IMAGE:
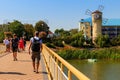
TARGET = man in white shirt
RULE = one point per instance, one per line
(7, 44)
(36, 47)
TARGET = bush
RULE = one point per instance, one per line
(58, 42)
(68, 39)
(50, 45)
(102, 41)
(115, 41)
(66, 54)
(1, 37)
(77, 40)
(107, 53)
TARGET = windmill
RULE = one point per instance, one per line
(96, 29)
(100, 8)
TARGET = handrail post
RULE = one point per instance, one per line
(56, 69)
(61, 66)
(69, 75)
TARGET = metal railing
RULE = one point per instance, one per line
(58, 68)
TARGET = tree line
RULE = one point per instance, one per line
(82, 48)
(20, 29)
(71, 37)
(76, 38)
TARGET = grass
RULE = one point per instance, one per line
(112, 53)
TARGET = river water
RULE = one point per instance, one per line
(100, 70)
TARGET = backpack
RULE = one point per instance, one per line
(15, 43)
(36, 45)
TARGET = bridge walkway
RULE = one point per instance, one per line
(21, 69)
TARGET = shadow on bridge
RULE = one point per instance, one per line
(13, 73)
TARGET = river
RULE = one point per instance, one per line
(100, 70)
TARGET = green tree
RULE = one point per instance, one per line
(29, 30)
(61, 32)
(102, 41)
(5, 27)
(1, 37)
(78, 40)
(115, 41)
(73, 31)
(17, 28)
(41, 26)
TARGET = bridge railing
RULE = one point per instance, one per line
(58, 68)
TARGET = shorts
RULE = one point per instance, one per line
(36, 55)
(14, 49)
(8, 46)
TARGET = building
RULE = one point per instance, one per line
(85, 27)
(92, 28)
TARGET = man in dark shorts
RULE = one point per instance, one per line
(36, 47)
(14, 45)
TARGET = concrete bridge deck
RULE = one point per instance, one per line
(21, 69)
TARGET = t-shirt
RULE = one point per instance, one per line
(6, 42)
(37, 38)
(15, 43)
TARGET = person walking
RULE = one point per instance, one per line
(14, 45)
(24, 40)
(7, 44)
(36, 47)
(21, 44)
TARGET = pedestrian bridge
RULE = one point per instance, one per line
(52, 67)
(58, 68)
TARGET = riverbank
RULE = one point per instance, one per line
(111, 53)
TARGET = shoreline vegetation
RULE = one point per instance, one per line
(73, 45)
(111, 53)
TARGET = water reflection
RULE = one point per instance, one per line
(100, 70)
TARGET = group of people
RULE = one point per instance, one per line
(19, 44)
(14, 44)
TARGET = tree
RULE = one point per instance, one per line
(78, 40)
(29, 30)
(41, 26)
(17, 28)
(73, 31)
(59, 31)
(5, 27)
(1, 37)
(63, 33)
(102, 41)
(115, 41)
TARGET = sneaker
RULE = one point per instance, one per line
(37, 72)
(34, 71)
(13, 59)
(16, 59)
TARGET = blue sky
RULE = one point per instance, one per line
(56, 13)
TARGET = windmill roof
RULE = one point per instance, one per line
(105, 22)
(97, 11)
